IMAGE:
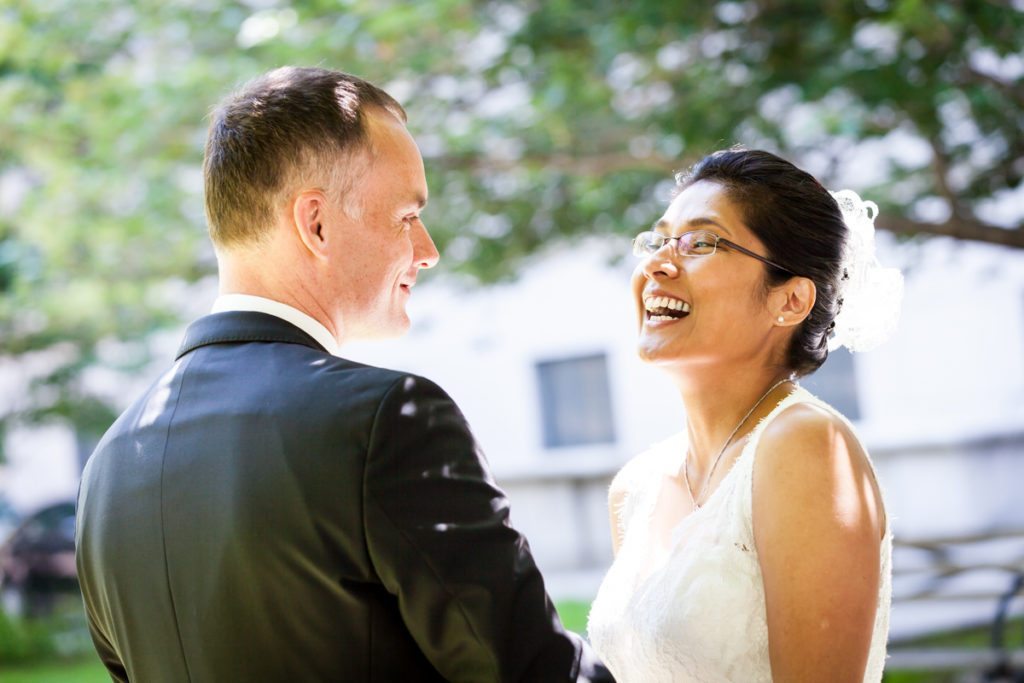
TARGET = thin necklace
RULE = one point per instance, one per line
(714, 465)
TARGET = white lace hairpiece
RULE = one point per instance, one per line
(871, 295)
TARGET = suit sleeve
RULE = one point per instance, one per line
(107, 654)
(439, 537)
(106, 651)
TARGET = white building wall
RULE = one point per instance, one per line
(955, 367)
(41, 468)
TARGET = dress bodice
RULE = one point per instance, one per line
(698, 614)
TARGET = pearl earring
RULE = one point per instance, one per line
(781, 319)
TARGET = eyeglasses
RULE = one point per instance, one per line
(694, 243)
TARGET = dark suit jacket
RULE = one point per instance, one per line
(269, 512)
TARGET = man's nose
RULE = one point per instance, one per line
(425, 254)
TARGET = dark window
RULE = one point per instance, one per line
(576, 405)
(835, 383)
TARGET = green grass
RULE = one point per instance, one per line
(83, 671)
(574, 614)
(922, 677)
(978, 637)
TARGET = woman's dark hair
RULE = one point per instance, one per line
(800, 225)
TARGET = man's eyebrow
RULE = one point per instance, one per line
(699, 222)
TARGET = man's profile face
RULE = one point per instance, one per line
(376, 254)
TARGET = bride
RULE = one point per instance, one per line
(754, 545)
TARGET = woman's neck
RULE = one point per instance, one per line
(717, 400)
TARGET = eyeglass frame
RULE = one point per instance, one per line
(718, 240)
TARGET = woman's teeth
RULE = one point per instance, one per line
(665, 308)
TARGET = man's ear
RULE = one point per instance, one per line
(791, 302)
(309, 211)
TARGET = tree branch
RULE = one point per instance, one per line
(972, 76)
(584, 165)
(941, 164)
(960, 228)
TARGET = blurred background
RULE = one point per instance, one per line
(551, 132)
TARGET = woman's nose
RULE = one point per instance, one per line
(662, 262)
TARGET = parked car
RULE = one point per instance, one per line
(37, 563)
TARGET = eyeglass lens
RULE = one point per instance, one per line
(695, 243)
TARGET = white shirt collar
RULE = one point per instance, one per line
(259, 304)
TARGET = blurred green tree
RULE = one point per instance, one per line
(539, 121)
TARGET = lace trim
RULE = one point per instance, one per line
(634, 478)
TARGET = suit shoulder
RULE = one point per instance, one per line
(375, 374)
(377, 383)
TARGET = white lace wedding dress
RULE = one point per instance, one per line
(700, 614)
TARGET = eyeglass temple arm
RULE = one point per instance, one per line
(733, 245)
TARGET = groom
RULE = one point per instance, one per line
(269, 511)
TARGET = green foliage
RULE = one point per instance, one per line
(61, 635)
(539, 122)
(22, 641)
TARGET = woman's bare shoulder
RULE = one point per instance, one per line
(810, 460)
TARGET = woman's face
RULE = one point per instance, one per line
(728, 318)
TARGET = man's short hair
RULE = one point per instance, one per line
(288, 126)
